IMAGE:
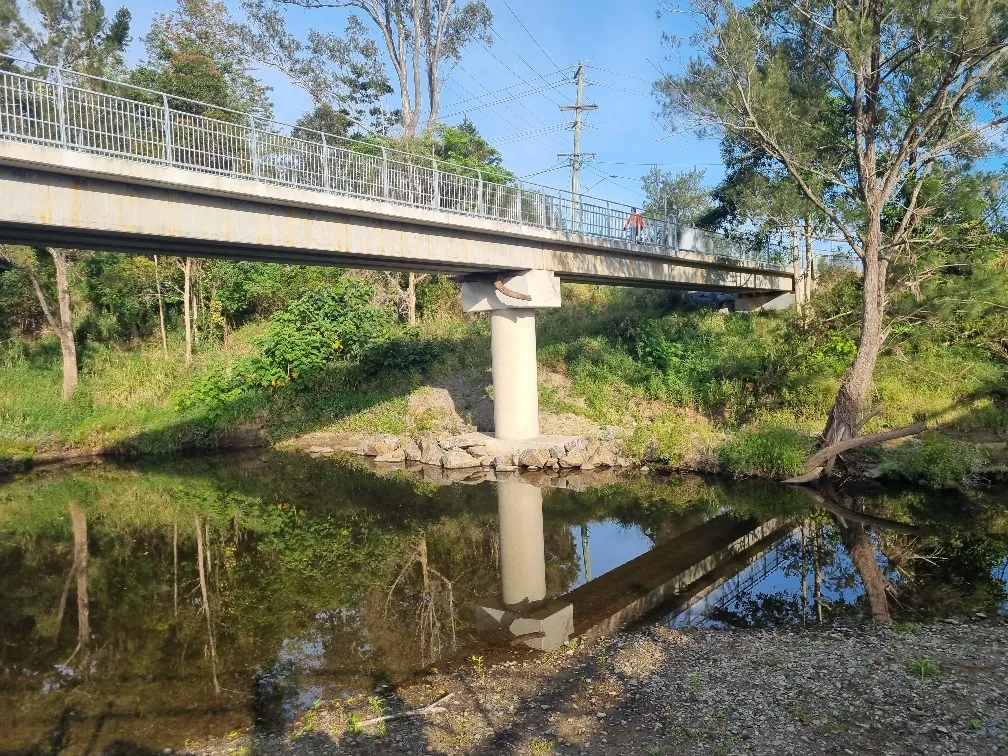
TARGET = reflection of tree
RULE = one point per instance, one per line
(78, 522)
(861, 551)
(432, 594)
(202, 553)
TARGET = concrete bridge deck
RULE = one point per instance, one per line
(64, 197)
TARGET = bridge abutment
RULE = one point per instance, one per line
(512, 300)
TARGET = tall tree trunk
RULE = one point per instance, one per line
(68, 348)
(807, 279)
(411, 299)
(856, 385)
(78, 521)
(160, 307)
(862, 554)
(187, 307)
(796, 267)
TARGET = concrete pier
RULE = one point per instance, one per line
(515, 380)
(522, 555)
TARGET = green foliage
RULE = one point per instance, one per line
(404, 355)
(767, 452)
(922, 669)
(934, 460)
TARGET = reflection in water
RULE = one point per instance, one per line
(218, 595)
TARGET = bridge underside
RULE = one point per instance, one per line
(71, 199)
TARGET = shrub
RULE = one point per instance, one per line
(407, 355)
(934, 460)
(766, 452)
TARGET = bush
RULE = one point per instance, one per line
(766, 452)
(406, 355)
(934, 460)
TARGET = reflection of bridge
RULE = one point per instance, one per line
(703, 564)
(86, 162)
(729, 589)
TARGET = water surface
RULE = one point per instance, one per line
(156, 604)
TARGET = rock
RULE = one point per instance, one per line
(448, 443)
(557, 451)
(532, 458)
(412, 452)
(320, 450)
(504, 464)
(377, 446)
(486, 460)
(393, 457)
(431, 455)
(458, 459)
(573, 458)
(610, 433)
(477, 450)
(604, 457)
(578, 444)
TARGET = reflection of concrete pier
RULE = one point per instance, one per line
(522, 608)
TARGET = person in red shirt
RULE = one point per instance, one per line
(635, 222)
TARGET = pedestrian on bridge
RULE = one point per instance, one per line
(635, 223)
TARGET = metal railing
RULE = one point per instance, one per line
(88, 114)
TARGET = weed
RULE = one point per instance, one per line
(376, 706)
(768, 452)
(460, 737)
(654, 751)
(695, 683)
(923, 668)
(353, 722)
(935, 460)
(975, 723)
(478, 668)
(541, 747)
(910, 628)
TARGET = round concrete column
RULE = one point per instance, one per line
(522, 553)
(515, 384)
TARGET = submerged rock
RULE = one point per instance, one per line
(457, 459)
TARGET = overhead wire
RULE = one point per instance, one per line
(522, 24)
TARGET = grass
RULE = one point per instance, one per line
(922, 669)
(772, 452)
(935, 460)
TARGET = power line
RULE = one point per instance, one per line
(522, 24)
(509, 88)
(617, 73)
(504, 100)
(545, 170)
(520, 57)
(610, 180)
(618, 88)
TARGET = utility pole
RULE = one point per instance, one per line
(576, 156)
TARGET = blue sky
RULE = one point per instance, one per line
(620, 43)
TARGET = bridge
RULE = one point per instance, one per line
(92, 163)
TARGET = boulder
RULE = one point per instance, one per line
(477, 450)
(532, 458)
(377, 446)
(504, 463)
(457, 459)
(557, 451)
(486, 460)
(578, 444)
(573, 458)
(412, 452)
(393, 457)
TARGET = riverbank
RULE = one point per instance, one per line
(680, 388)
(908, 688)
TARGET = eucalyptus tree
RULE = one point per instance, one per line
(680, 196)
(420, 37)
(859, 102)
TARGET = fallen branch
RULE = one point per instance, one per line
(432, 708)
(821, 456)
(849, 514)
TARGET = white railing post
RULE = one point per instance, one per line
(325, 163)
(519, 203)
(384, 173)
(479, 193)
(61, 107)
(169, 150)
(254, 144)
(436, 187)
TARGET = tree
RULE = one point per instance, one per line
(79, 36)
(74, 34)
(681, 197)
(420, 37)
(861, 102)
(60, 317)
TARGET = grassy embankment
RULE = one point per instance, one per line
(697, 389)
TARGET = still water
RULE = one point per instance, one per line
(153, 605)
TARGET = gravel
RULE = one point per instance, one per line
(932, 689)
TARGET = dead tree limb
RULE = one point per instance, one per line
(434, 707)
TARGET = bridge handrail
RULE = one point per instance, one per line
(54, 112)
